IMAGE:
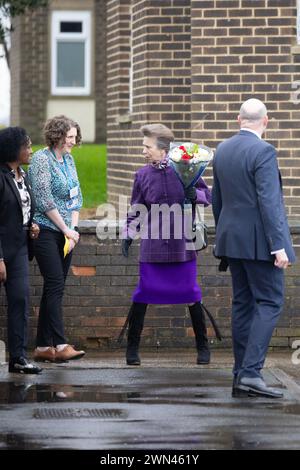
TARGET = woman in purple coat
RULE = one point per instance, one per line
(165, 261)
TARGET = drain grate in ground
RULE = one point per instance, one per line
(71, 413)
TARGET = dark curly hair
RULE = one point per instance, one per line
(12, 139)
(56, 129)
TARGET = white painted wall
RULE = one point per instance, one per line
(82, 111)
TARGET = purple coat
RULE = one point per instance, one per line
(161, 186)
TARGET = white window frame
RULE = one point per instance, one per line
(85, 18)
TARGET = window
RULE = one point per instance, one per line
(71, 53)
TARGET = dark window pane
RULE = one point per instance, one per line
(71, 27)
(70, 64)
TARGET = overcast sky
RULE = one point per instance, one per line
(4, 91)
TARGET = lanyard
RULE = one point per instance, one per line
(66, 171)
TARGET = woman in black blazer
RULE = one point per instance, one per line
(16, 234)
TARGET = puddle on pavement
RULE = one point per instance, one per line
(16, 392)
(12, 441)
(11, 393)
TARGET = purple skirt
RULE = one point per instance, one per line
(168, 283)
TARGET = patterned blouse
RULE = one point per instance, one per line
(51, 182)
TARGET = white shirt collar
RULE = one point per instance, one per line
(250, 130)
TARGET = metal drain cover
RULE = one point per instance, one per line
(75, 413)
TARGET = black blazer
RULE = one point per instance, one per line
(11, 216)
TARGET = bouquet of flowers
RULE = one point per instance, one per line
(189, 161)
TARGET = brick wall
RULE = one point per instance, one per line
(100, 69)
(121, 158)
(240, 49)
(194, 63)
(98, 295)
(30, 72)
(158, 34)
(15, 71)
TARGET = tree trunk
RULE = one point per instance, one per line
(6, 53)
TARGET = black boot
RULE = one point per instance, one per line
(199, 327)
(136, 323)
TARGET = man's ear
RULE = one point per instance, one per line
(266, 120)
(239, 119)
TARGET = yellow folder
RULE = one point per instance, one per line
(66, 246)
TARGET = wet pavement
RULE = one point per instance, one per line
(167, 403)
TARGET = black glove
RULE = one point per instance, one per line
(191, 193)
(125, 246)
(223, 266)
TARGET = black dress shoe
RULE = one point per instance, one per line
(255, 387)
(20, 365)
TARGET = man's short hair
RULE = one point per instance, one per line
(253, 110)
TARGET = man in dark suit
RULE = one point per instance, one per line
(253, 234)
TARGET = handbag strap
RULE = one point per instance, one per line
(213, 322)
(124, 327)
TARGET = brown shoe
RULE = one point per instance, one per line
(68, 354)
(44, 356)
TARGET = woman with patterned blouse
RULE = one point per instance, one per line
(58, 199)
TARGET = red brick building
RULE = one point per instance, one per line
(190, 64)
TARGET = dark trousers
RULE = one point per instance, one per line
(258, 295)
(17, 292)
(48, 249)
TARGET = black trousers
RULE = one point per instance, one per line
(17, 292)
(48, 250)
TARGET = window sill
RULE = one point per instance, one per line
(124, 119)
(295, 49)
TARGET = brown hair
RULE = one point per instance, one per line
(56, 129)
(164, 136)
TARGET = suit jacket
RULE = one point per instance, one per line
(247, 200)
(11, 216)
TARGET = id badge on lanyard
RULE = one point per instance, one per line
(72, 202)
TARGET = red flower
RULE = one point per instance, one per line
(182, 147)
(185, 156)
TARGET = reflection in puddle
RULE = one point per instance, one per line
(50, 393)
(13, 441)
(16, 392)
